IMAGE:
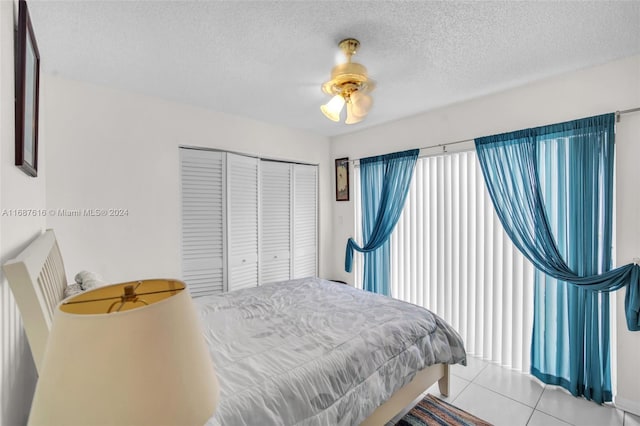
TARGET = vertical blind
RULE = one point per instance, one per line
(450, 255)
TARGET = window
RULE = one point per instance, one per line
(450, 254)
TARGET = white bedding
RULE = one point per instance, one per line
(314, 352)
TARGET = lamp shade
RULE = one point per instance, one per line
(146, 364)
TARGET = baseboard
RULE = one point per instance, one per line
(628, 405)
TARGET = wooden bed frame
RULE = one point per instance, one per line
(37, 279)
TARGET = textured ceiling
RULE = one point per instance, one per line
(266, 60)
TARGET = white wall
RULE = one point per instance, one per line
(607, 88)
(17, 191)
(628, 247)
(114, 149)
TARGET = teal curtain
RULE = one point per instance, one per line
(552, 188)
(384, 182)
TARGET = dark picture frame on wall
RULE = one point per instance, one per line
(27, 71)
(342, 179)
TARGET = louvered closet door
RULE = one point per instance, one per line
(242, 218)
(203, 209)
(275, 221)
(305, 211)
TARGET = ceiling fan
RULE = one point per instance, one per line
(349, 85)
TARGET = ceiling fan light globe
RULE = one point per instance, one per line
(351, 117)
(333, 108)
(362, 103)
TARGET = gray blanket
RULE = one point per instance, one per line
(314, 352)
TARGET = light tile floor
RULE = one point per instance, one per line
(505, 397)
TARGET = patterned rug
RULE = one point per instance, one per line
(433, 411)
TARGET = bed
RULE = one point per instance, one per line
(305, 352)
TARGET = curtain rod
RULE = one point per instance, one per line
(626, 111)
(445, 145)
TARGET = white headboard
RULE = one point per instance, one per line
(37, 279)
